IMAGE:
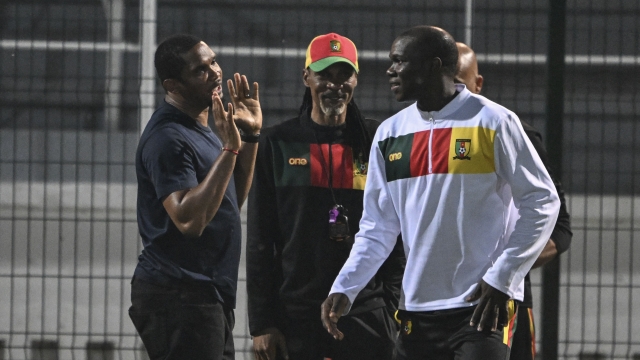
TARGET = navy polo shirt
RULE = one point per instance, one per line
(176, 152)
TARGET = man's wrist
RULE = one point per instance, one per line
(235, 152)
(250, 138)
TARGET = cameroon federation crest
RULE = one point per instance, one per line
(335, 45)
(463, 148)
(360, 166)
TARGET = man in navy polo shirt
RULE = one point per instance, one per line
(192, 182)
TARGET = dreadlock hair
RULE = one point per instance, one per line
(356, 128)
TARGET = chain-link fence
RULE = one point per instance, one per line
(77, 84)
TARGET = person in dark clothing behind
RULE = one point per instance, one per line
(192, 182)
(304, 210)
(523, 346)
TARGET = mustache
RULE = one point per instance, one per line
(334, 96)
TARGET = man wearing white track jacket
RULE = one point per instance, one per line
(443, 172)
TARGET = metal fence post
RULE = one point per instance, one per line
(148, 26)
(468, 22)
(114, 77)
(554, 124)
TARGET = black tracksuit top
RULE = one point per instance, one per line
(561, 234)
(291, 260)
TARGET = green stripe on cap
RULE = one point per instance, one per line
(328, 61)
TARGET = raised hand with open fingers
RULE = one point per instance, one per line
(248, 114)
(227, 129)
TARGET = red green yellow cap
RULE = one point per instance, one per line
(325, 50)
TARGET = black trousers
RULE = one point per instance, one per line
(367, 336)
(447, 335)
(181, 323)
(523, 346)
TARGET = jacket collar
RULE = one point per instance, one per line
(451, 107)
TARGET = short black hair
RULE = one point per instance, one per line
(435, 42)
(168, 58)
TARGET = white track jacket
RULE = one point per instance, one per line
(445, 180)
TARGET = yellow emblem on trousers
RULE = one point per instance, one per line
(406, 328)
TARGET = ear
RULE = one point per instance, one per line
(171, 85)
(479, 82)
(305, 77)
(435, 64)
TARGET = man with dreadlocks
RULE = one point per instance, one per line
(303, 213)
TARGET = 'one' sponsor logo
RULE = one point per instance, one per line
(395, 156)
(298, 161)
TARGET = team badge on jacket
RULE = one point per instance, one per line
(360, 167)
(463, 147)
